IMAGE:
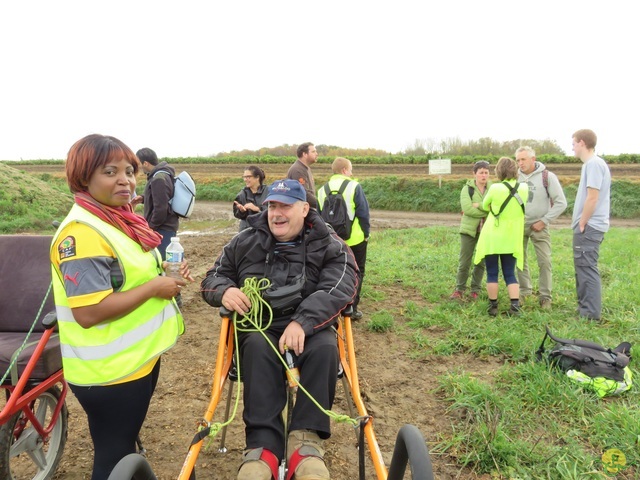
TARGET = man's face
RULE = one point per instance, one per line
(146, 167)
(348, 171)
(286, 221)
(526, 162)
(579, 148)
(312, 156)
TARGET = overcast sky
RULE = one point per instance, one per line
(194, 78)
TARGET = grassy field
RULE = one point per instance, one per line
(526, 420)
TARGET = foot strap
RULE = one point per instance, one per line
(298, 456)
(266, 456)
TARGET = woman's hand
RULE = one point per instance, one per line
(251, 206)
(240, 206)
(167, 287)
(185, 272)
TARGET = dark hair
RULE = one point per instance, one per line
(480, 164)
(147, 155)
(303, 148)
(257, 172)
(92, 152)
(506, 168)
(587, 136)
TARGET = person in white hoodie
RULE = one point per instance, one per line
(546, 202)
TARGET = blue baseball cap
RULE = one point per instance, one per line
(286, 191)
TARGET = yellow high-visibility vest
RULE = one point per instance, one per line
(357, 235)
(114, 349)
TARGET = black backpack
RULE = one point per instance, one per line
(513, 193)
(587, 357)
(334, 210)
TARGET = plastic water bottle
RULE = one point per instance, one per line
(293, 374)
(175, 255)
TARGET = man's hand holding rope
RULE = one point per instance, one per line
(233, 299)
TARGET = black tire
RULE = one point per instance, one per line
(410, 447)
(132, 467)
(27, 457)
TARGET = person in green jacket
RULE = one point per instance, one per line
(501, 238)
(473, 217)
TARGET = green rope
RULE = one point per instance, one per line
(254, 321)
(23, 346)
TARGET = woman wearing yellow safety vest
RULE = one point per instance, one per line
(116, 312)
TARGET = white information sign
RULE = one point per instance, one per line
(440, 167)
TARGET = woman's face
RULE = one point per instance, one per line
(250, 180)
(113, 184)
(482, 175)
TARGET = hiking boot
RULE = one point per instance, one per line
(524, 296)
(492, 310)
(305, 453)
(457, 295)
(514, 311)
(258, 464)
(545, 303)
(357, 315)
(473, 295)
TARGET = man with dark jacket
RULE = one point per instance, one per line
(301, 171)
(290, 245)
(157, 193)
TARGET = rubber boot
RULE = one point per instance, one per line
(305, 453)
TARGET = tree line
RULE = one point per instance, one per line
(453, 146)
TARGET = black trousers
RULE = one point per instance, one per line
(116, 414)
(360, 254)
(265, 390)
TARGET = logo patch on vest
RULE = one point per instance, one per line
(67, 247)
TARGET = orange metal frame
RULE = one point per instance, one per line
(347, 359)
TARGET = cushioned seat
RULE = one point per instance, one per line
(50, 360)
(25, 276)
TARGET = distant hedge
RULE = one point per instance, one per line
(427, 195)
(368, 160)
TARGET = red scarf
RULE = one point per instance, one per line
(123, 218)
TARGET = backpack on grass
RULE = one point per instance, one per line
(334, 210)
(603, 370)
(184, 193)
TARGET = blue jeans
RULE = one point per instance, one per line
(166, 240)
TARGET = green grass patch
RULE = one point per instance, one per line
(524, 420)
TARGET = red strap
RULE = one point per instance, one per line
(271, 460)
(294, 461)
